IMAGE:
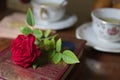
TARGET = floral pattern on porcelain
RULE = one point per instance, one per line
(112, 31)
(106, 31)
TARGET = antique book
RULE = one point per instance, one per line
(49, 71)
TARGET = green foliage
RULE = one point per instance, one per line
(58, 45)
(48, 43)
(51, 53)
(47, 33)
(37, 33)
(35, 63)
(69, 57)
(25, 30)
(30, 18)
(57, 58)
(37, 42)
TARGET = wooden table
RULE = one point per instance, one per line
(95, 65)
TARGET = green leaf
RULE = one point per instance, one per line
(37, 42)
(58, 45)
(57, 58)
(25, 30)
(30, 18)
(51, 53)
(41, 44)
(47, 33)
(35, 63)
(52, 43)
(37, 33)
(54, 36)
(35, 66)
(69, 57)
(47, 43)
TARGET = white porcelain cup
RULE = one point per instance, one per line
(49, 10)
(106, 24)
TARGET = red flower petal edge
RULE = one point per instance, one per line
(24, 51)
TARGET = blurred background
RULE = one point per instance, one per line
(81, 8)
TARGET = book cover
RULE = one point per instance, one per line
(49, 71)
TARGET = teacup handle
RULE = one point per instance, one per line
(43, 12)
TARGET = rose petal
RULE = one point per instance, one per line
(24, 51)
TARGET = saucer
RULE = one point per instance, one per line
(66, 22)
(86, 32)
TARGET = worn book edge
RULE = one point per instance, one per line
(66, 70)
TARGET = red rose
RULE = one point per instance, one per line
(24, 51)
